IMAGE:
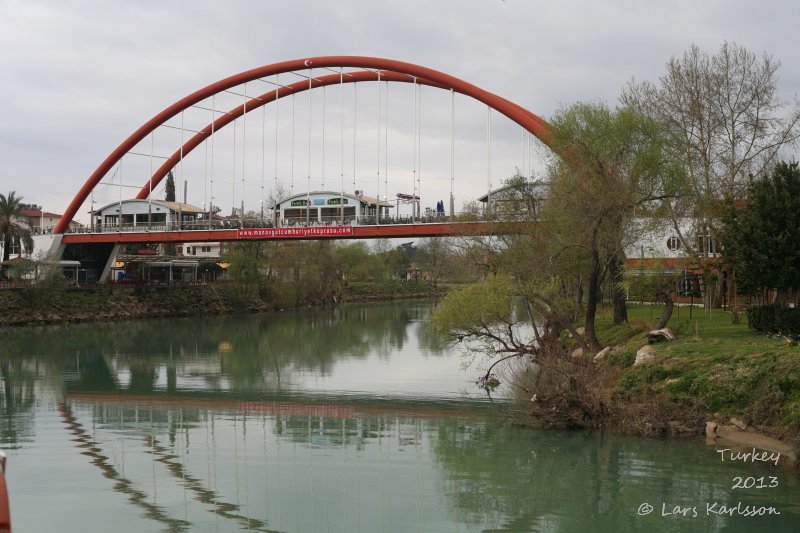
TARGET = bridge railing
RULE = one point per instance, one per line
(236, 223)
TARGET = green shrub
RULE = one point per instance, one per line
(775, 319)
(787, 321)
(762, 318)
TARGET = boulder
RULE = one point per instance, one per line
(602, 353)
(711, 430)
(578, 352)
(645, 353)
(658, 335)
(739, 424)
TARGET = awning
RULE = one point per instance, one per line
(177, 263)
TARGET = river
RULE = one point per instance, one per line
(348, 419)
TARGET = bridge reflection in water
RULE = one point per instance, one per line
(340, 420)
(261, 465)
(222, 429)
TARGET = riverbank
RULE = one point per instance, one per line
(37, 305)
(716, 372)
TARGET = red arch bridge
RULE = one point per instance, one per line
(219, 140)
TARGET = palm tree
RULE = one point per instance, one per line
(12, 232)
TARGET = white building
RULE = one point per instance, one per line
(201, 250)
(140, 215)
(329, 207)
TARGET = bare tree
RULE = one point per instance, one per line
(731, 125)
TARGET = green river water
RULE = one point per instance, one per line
(349, 419)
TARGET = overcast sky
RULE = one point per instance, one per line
(79, 76)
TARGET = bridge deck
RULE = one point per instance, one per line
(292, 233)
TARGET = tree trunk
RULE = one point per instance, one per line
(579, 299)
(591, 303)
(618, 303)
(667, 314)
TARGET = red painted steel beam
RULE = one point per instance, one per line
(534, 124)
(343, 409)
(259, 101)
(5, 509)
(359, 232)
(151, 236)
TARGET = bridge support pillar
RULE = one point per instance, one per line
(112, 258)
(57, 247)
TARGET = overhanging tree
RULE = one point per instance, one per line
(615, 166)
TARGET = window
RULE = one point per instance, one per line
(706, 245)
(673, 243)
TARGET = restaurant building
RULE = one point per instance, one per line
(329, 207)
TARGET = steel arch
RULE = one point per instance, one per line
(261, 100)
(534, 124)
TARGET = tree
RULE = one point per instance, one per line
(356, 263)
(761, 238)
(614, 166)
(169, 195)
(13, 233)
(483, 314)
(434, 258)
(731, 125)
(169, 188)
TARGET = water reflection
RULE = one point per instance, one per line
(254, 352)
(305, 466)
(17, 400)
(121, 483)
(340, 420)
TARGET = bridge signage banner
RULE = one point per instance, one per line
(311, 231)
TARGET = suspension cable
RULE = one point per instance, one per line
(181, 161)
(419, 152)
(205, 178)
(322, 165)
(341, 121)
(263, 156)
(291, 183)
(213, 136)
(414, 152)
(150, 193)
(386, 149)
(452, 149)
(233, 175)
(277, 101)
(488, 159)
(355, 124)
(244, 148)
(530, 160)
(308, 185)
(378, 196)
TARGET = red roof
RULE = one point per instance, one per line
(37, 213)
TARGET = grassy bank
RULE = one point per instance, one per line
(57, 304)
(715, 370)
(379, 290)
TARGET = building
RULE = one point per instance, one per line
(330, 208)
(42, 222)
(138, 215)
(516, 199)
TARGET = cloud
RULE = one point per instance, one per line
(80, 76)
